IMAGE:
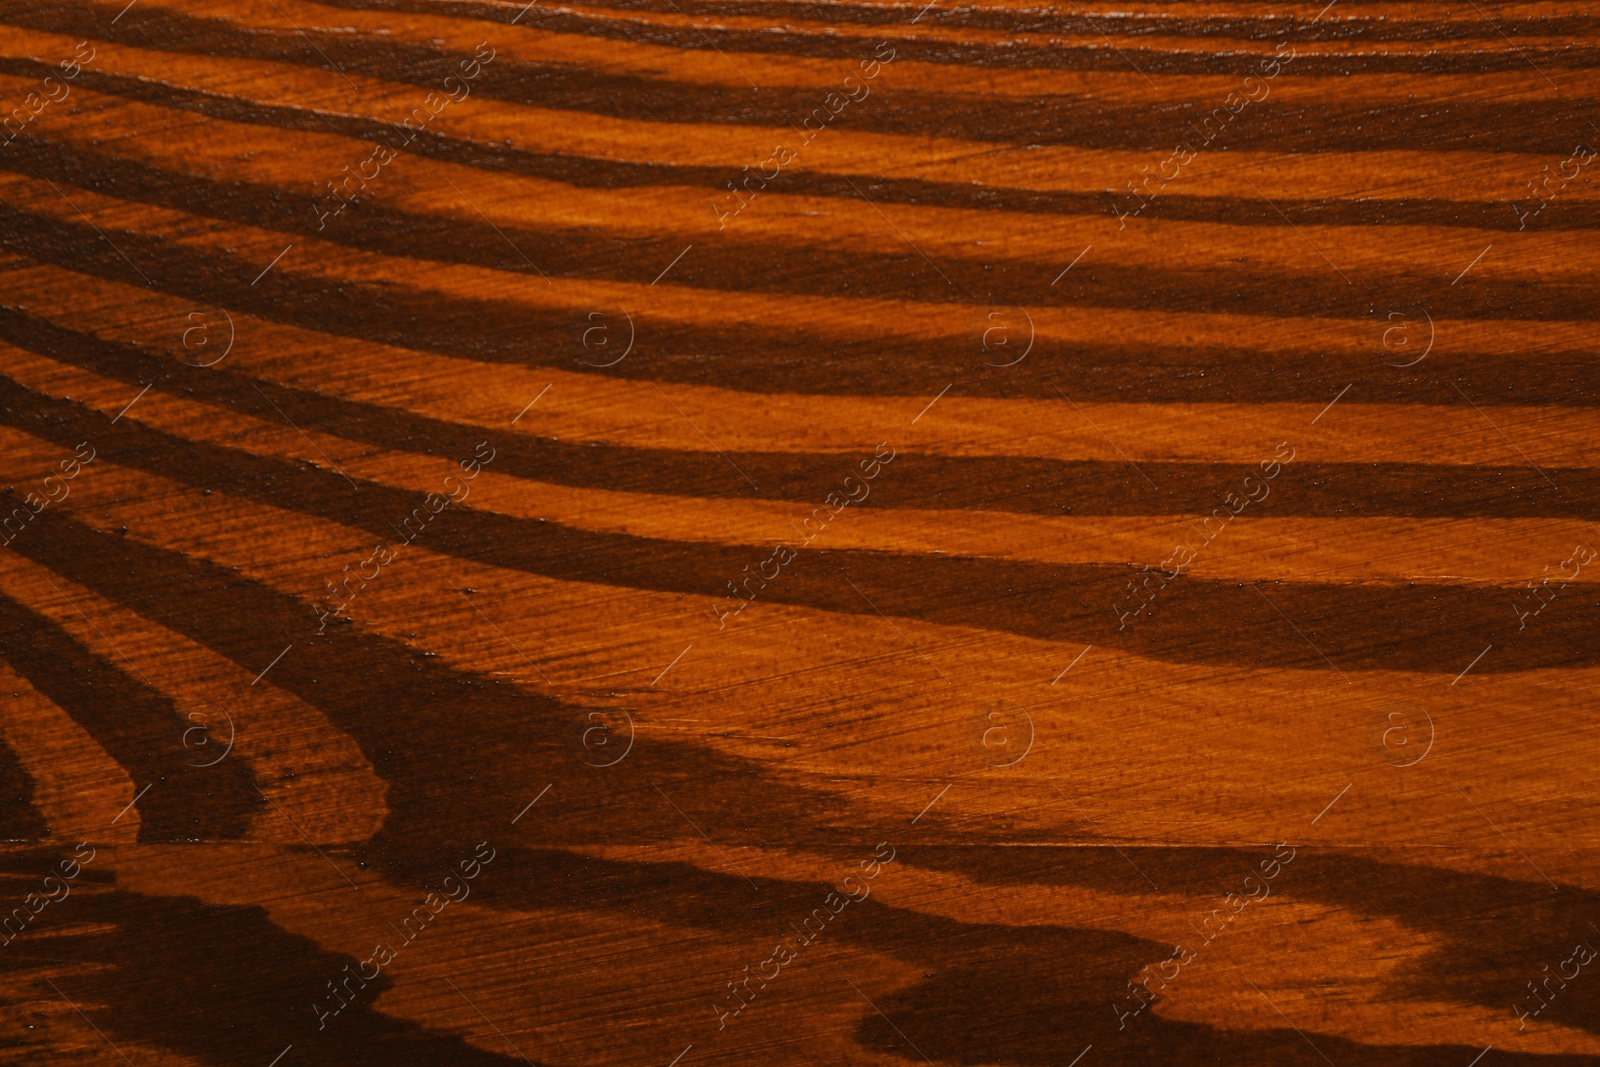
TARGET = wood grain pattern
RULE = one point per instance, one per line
(710, 531)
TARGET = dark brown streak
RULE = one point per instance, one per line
(136, 725)
(1058, 119)
(1434, 628)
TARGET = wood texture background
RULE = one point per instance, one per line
(1378, 258)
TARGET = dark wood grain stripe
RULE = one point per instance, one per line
(19, 819)
(161, 971)
(986, 968)
(756, 265)
(595, 172)
(1015, 484)
(363, 682)
(1437, 628)
(498, 331)
(1031, 57)
(1538, 126)
(1120, 25)
(136, 724)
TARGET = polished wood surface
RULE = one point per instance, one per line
(657, 532)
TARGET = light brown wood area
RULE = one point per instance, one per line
(663, 533)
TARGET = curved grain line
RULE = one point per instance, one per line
(1443, 626)
(920, 481)
(600, 173)
(136, 724)
(1544, 127)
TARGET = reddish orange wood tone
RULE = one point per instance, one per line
(688, 532)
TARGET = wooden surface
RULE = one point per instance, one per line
(1107, 500)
